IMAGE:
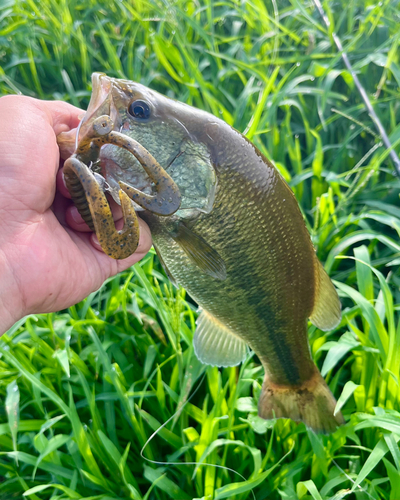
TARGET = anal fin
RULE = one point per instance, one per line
(326, 314)
(214, 344)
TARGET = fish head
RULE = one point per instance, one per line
(172, 132)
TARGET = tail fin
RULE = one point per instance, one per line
(312, 403)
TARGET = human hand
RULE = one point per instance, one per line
(49, 258)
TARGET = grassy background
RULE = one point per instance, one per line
(82, 391)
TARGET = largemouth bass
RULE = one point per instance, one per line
(226, 227)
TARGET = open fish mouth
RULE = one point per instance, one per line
(87, 187)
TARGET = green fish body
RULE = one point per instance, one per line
(238, 244)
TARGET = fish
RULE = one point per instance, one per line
(232, 235)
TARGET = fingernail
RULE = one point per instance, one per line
(76, 216)
(96, 243)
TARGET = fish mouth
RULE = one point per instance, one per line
(101, 88)
(100, 102)
(87, 178)
(118, 160)
(87, 186)
(111, 164)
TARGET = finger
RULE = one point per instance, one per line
(144, 245)
(62, 188)
(67, 143)
(63, 116)
(65, 119)
(99, 265)
(28, 130)
(72, 215)
(115, 209)
(75, 221)
(60, 207)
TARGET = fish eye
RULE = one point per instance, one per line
(139, 109)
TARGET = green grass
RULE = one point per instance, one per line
(83, 390)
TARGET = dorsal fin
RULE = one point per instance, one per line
(326, 314)
(214, 344)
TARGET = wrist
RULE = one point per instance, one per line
(10, 300)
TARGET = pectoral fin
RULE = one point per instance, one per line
(214, 344)
(200, 252)
(326, 314)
